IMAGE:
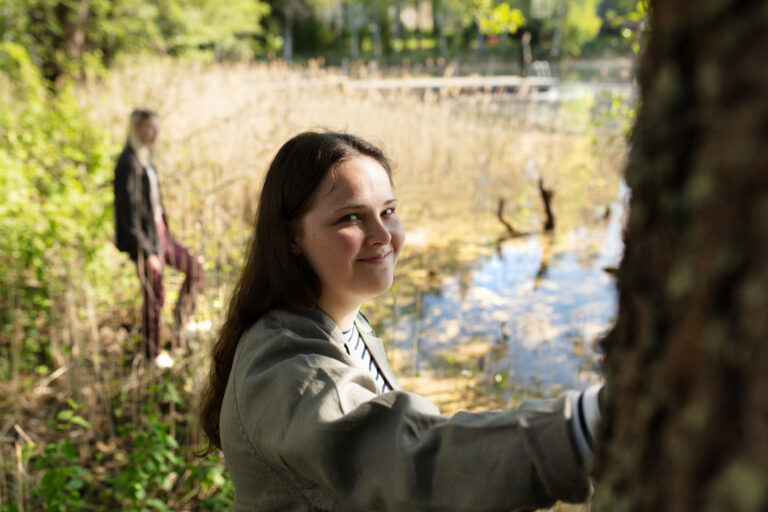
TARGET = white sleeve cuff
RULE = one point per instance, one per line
(586, 418)
(591, 409)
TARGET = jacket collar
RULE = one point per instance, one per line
(375, 345)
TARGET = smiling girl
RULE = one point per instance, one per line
(301, 398)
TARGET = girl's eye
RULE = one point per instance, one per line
(350, 217)
(388, 211)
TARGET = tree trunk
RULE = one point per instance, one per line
(438, 24)
(557, 40)
(353, 20)
(382, 18)
(288, 34)
(62, 46)
(687, 362)
(479, 41)
(399, 26)
(376, 29)
(354, 44)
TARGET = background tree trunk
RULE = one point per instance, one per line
(687, 362)
(288, 33)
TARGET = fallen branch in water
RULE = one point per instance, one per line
(549, 223)
(546, 198)
(512, 232)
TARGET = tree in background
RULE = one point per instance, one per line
(481, 17)
(496, 17)
(564, 27)
(626, 18)
(686, 363)
(64, 37)
(198, 24)
(580, 24)
(287, 12)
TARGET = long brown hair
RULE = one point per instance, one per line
(272, 276)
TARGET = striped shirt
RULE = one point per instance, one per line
(359, 352)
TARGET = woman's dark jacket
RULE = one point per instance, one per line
(134, 217)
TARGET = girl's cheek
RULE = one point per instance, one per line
(349, 242)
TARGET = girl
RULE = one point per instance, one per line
(142, 232)
(301, 399)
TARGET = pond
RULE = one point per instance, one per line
(527, 315)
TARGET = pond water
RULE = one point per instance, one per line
(530, 312)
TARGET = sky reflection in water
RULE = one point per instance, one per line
(542, 320)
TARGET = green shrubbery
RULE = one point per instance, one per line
(57, 268)
(55, 206)
(150, 472)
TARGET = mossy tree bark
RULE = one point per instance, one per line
(687, 362)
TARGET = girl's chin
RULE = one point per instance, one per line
(378, 289)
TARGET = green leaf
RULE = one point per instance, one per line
(68, 451)
(157, 504)
(64, 415)
(79, 420)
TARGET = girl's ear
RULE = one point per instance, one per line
(293, 246)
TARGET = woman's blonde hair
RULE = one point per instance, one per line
(138, 116)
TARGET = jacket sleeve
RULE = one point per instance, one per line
(308, 411)
(128, 193)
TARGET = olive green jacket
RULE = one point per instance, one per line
(303, 428)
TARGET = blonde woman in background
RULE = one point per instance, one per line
(142, 232)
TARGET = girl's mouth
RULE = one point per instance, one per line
(378, 259)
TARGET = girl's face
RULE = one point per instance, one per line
(351, 235)
(148, 130)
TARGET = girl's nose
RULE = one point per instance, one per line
(377, 233)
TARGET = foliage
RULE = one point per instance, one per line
(65, 37)
(627, 16)
(55, 198)
(497, 18)
(187, 24)
(61, 486)
(490, 16)
(581, 24)
(148, 465)
(152, 473)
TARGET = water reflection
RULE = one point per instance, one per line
(528, 313)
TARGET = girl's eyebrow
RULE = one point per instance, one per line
(362, 206)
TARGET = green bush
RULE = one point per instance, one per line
(63, 478)
(55, 203)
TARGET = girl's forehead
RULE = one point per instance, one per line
(360, 180)
(360, 175)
